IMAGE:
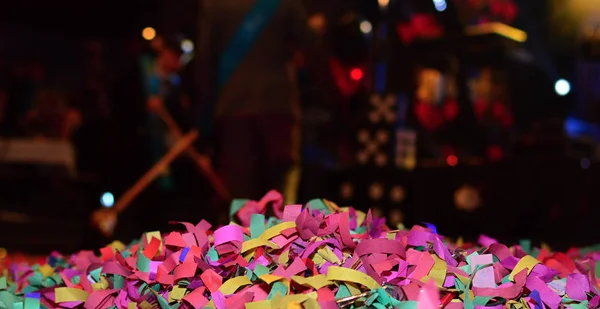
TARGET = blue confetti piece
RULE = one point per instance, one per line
(538, 300)
(431, 227)
(184, 253)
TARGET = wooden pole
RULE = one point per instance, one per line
(202, 161)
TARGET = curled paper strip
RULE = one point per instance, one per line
(313, 256)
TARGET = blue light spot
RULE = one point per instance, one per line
(107, 200)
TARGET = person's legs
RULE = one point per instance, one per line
(238, 156)
(280, 135)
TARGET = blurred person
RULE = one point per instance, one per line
(247, 87)
(160, 85)
(52, 117)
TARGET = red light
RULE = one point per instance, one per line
(452, 160)
(356, 74)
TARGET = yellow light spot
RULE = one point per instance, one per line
(148, 33)
(3, 253)
(383, 3)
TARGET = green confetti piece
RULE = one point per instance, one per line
(597, 269)
(471, 256)
(525, 245)
(9, 299)
(277, 287)
(481, 300)
(506, 279)
(318, 204)
(118, 282)
(468, 301)
(371, 299)
(164, 304)
(32, 303)
(142, 289)
(378, 306)
(235, 206)
(466, 268)
(142, 263)
(18, 305)
(459, 285)
(29, 289)
(582, 305)
(260, 270)
(95, 274)
(257, 225)
(272, 222)
(57, 279)
(37, 279)
(3, 284)
(383, 297)
(407, 305)
(75, 280)
(342, 292)
(249, 274)
(212, 254)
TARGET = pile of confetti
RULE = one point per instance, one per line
(313, 256)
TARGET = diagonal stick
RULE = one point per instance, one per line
(202, 161)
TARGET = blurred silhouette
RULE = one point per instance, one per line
(247, 87)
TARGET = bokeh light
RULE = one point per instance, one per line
(562, 87)
(149, 33)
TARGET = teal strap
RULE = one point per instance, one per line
(244, 38)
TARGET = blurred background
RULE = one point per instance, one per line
(478, 116)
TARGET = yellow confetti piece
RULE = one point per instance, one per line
(318, 260)
(263, 304)
(335, 273)
(295, 298)
(315, 282)
(102, 285)
(514, 304)
(257, 242)
(463, 280)
(131, 305)
(333, 207)
(527, 262)
(269, 279)
(155, 234)
(46, 270)
(231, 285)
(117, 245)
(360, 217)
(311, 303)
(63, 295)
(438, 271)
(249, 255)
(329, 256)
(276, 230)
(146, 305)
(353, 288)
(294, 305)
(177, 293)
(284, 258)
